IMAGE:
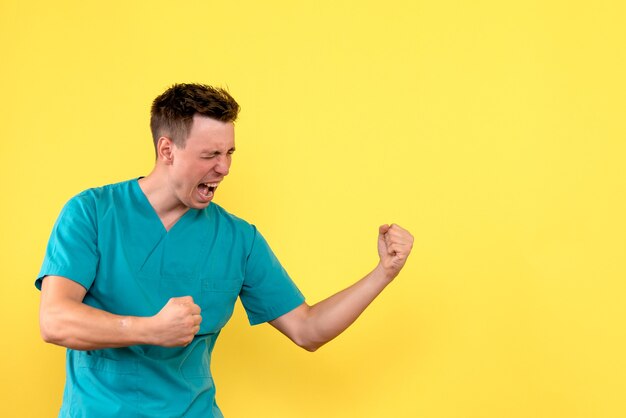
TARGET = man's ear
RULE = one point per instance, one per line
(165, 148)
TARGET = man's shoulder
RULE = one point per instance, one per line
(94, 195)
(122, 187)
(223, 214)
(90, 199)
(235, 224)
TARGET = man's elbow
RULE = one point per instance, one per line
(309, 344)
(51, 330)
(299, 326)
(48, 334)
(311, 348)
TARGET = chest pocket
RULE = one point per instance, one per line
(216, 297)
(174, 286)
(217, 301)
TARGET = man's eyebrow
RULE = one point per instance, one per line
(215, 152)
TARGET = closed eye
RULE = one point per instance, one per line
(215, 154)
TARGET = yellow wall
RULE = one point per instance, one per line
(493, 130)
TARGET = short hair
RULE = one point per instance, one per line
(172, 112)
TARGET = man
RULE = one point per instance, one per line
(139, 277)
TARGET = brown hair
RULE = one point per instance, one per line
(172, 112)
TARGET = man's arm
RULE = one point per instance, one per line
(313, 326)
(65, 320)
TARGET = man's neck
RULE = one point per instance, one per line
(158, 192)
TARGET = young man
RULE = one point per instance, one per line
(139, 277)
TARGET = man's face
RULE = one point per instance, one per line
(197, 169)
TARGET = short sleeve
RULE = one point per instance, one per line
(268, 292)
(72, 247)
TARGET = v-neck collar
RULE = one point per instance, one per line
(150, 209)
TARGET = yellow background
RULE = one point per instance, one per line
(493, 130)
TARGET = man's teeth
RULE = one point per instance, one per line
(207, 189)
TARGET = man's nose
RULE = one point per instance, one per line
(223, 165)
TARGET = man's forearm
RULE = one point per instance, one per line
(75, 325)
(333, 315)
(313, 326)
(65, 320)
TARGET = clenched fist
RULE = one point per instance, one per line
(394, 246)
(177, 322)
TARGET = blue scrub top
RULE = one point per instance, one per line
(111, 241)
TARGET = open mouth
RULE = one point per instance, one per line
(206, 189)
